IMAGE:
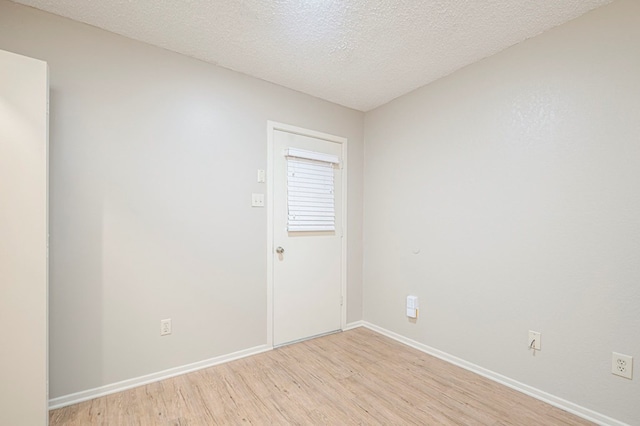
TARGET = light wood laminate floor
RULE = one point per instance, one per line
(355, 377)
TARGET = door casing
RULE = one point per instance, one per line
(24, 248)
(273, 126)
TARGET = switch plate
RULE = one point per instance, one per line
(261, 176)
(257, 200)
(534, 340)
(622, 365)
(165, 327)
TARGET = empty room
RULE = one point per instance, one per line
(319, 212)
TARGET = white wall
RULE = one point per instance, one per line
(23, 240)
(153, 162)
(518, 180)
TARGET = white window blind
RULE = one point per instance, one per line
(310, 190)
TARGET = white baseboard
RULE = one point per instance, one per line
(563, 404)
(353, 325)
(74, 398)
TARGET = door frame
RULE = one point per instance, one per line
(30, 286)
(272, 126)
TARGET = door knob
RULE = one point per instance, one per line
(279, 250)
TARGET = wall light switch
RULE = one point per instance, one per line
(261, 176)
(257, 200)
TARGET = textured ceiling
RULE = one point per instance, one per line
(357, 53)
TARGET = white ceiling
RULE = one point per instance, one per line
(357, 53)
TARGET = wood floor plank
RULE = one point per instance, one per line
(358, 377)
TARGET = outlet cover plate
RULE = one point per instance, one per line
(622, 365)
(534, 340)
(257, 200)
(165, 327)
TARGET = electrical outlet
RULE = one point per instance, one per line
(257, 200)
(534, 340)
(622, 365)
(165, 327)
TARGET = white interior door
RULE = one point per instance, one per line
(23, 240)
(307, 265)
